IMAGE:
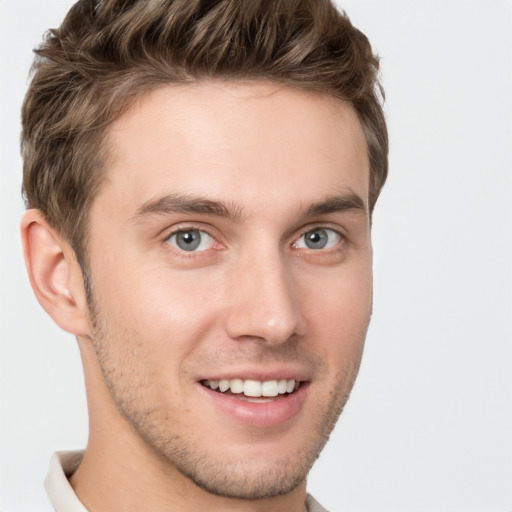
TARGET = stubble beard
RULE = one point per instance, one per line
(131, 391)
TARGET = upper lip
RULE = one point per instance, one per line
(260, 374)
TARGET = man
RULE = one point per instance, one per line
(200, 178)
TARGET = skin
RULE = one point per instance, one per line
(253, 301)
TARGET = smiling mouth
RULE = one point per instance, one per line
(253, 390)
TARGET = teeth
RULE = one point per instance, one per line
(237, 386)
(254, 388)
(269, 388)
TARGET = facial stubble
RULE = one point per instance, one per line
(130, 388)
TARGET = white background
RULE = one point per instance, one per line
(429, 424)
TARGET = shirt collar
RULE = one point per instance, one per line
(61, 494)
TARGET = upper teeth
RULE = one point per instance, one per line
(254, 388)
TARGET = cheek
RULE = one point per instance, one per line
(338, 313)
(169, 311)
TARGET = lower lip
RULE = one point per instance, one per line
(267, 414)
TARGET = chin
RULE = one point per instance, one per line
(252, 472)
(246, 480)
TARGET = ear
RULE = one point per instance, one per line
(54, 273)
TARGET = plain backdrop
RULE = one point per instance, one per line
(429, 423)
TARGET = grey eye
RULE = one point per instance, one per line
(316, 239)
(191, 240)
(320, 238)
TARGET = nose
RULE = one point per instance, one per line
(264, 305)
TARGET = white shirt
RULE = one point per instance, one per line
(64, 499)
(58, 488)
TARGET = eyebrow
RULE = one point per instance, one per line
(184, 203)
(188, 204)
(338, 203)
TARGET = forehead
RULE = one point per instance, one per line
(243, 141)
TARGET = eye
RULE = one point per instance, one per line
(190, 240)
(319, 238)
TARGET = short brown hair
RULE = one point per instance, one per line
(107, 53)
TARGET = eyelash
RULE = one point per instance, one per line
(309, 229)
(193, 253)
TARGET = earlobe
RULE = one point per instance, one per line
(54, 274)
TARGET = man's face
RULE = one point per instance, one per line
(230, 246)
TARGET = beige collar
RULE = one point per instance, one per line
(60, 492)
